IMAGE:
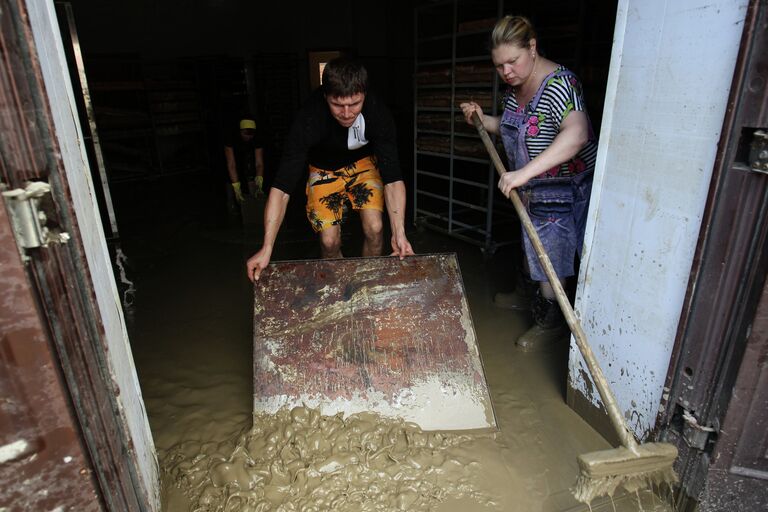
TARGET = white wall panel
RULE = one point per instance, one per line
(670, 75)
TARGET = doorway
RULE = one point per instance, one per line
(182, 327)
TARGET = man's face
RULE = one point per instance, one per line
(345, 109)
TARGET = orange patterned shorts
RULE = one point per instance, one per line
(331, 193)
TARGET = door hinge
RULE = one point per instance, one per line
(28, 217)
(758, 152)
(752, 151)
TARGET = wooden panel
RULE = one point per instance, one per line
(43, 462)
(379, 334)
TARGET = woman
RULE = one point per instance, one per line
(551, 148)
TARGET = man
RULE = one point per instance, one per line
(347, 136)
(244, 152)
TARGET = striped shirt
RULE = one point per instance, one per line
(561, 95)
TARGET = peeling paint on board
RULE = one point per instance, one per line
(370, 334)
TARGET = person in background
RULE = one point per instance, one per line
(244, 152)
(347, 136)
(551, 150)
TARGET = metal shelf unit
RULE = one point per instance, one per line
(454, 180)
(149, 115)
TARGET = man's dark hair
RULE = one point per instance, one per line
(344, 77)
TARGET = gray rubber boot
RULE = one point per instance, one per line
(521, 299)
(549, 327)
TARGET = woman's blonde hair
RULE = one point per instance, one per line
(513, 30)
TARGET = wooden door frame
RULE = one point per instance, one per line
(63, 276)
(739, 469)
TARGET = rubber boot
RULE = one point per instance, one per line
(521, 299)
(549, 326)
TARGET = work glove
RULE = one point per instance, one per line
(238, 192)
(259, 182)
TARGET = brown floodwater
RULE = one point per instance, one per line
(191, 335)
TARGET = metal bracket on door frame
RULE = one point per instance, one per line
(758, 154)
(28, 218)
(696, 435)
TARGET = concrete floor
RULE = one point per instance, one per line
(191, 335)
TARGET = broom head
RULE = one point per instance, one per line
(600, 473)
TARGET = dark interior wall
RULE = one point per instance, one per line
(380, 33)
(119, 38)
(178, 28)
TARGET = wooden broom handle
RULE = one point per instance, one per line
(609, 400)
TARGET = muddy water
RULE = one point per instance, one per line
(191, 336)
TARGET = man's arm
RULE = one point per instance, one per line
(292, 167)
(274, 213)
(394, 198)
(229, 153)
(258, 158)
(306, 129)
(385, 149)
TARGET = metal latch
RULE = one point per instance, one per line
(758, 152)
(29, 219)
(696, 435)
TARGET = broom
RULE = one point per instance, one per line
(631, 465)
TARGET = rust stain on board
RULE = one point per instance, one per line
(376, 334)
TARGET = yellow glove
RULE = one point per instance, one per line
(259, 181)
(238, 192)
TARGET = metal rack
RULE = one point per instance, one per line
(454, 181)
(150, 117)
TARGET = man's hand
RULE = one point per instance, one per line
(394, 198)
(238, 192)
(257, 263)
(273, 217)
(401, 246)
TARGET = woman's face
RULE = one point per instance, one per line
(514, 63)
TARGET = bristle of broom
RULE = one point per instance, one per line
(601, 473)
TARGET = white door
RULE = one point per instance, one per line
(75, 279)
(670, 74)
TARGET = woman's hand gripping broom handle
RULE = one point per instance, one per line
(627, 439)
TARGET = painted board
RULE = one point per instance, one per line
(370, 334)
